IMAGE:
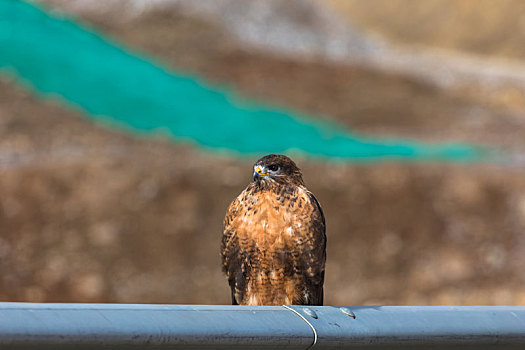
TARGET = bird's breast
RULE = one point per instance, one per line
(270, 216)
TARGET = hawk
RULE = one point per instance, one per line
(274, 243)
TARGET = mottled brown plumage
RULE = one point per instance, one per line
(274, 242)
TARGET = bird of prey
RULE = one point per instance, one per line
(274, 243)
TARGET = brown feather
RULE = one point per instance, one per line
(273, 246)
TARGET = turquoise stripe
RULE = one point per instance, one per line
(57, 56)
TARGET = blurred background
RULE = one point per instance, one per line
(93, 212)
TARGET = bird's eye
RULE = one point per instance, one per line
(273, 167)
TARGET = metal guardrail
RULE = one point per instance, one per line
(64, 326)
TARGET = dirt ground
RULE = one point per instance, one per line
(89, 214)
(485, 27)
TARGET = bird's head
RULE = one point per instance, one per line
(276, 168)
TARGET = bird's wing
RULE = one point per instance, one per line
(234, 264)
(312, 251)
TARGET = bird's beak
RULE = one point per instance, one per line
(257, 173)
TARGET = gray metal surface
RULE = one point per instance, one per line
(440, 327)
(64, 326)
(157, 326)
